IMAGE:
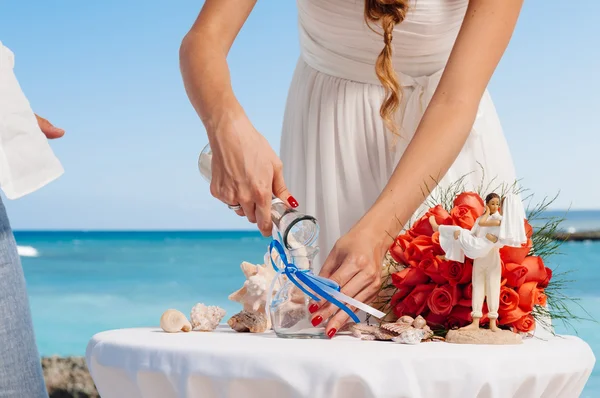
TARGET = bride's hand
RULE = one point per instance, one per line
(355, 264)
(246, 171)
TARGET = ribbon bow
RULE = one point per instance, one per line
(304, 279)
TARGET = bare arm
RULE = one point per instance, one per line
(203, 59)
(447, 122)
(245, 169)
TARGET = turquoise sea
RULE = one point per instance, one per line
(81, 283)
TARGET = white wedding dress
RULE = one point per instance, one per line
(337, 156)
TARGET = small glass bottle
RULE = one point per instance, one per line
(289, 313)
(297, 229)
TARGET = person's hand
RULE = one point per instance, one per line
(355, 263)
(50, 131)
(487, 210)
(247, 172)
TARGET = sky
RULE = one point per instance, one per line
(108, 73)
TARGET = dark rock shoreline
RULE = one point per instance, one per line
(68, 378)
(577, 236)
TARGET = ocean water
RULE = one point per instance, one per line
(81, 283)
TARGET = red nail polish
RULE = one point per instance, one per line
(331, 332)
(293, 202)
(313, 308)
(316, 320)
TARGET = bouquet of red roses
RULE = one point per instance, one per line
(440, 290)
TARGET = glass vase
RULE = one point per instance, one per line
(288, 308)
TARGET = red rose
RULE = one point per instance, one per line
(430, 266)
(472, 200)
(400, 294)
(546, 281)
(464, 216)
(509, 299)
(524, 324)
(442, 299)
(455, 272)
(415, 302)
(435, 320)
(528, 296)
(467, 296)
(514, 273)
(508, 317)
(516, 255)
(536, 272)
(421, 227)
(398, 248)
(442, 217)
(409, 277)
(528, 229)
(459, 317)
(417, 248)
(435, 239)
(541, 298)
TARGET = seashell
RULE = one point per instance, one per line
(384, 335)
(406, 319)
(364, 328)
(419, 322)
(206, 318)
(246, 321)
(410, 336)
(253, 294)
(395, 327)
(368, 337)
(293, 316)
(428, 332)
(173, 321)
(356, 333)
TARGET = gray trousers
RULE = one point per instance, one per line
(20, 368)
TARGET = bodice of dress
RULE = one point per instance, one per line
(480, 231)
(335, 39)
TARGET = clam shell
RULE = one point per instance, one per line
(395, 327)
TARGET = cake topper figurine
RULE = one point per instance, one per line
(502, 224)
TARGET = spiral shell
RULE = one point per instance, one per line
(173, 321)
(406, 319)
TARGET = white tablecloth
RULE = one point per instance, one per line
(142, 362)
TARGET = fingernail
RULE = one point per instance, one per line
(317, 320)
(331, 332)
(293, 202)
(313, 308)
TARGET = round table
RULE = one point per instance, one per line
(146, 362)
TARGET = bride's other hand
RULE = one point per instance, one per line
(246, 171)
(355, 264)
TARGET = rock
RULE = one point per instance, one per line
(483, 336)
(577, 236)
(68, 378)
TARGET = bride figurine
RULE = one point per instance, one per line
(501, 225)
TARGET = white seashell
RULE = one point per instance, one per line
(406, 319)
(410, 336)
(173, 321)
(419, 322)
(206, 318)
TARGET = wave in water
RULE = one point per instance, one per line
(27, 251)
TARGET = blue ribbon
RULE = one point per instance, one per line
(317, 284)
